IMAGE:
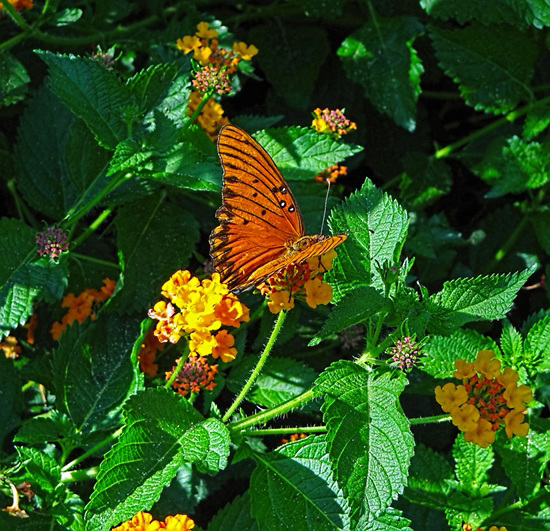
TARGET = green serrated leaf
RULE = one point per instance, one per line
(356, 307)
(151, 85)
(428, 480)
(380, 57)
(235, 516)
(144, 460)
(294, 481)
(537, 345)
(524, 461)
(93, 370)
(440, 352)
(474, 299)
(469, 10)
(92, 93)
(14, 80)
(492, 68)
(280, 380)
(156, 239)
(292, 73)
(376, 226)
(425, 180)
(369, 440)
(513, 166)
(511, 343)
(301, 153)
(472, 464)
(45, 471)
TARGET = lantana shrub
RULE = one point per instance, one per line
(399, 381)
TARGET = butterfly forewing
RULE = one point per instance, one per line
(254, 188)
(261, 229)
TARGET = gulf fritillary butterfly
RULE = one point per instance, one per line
(261, 228)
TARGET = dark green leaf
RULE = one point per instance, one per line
(376, 226)
(13, 80)
(380, 57)
(369, 440)
(493, 67)
(156, 239)
(92, 93)
(291, 58)
(356, 307)
(294, 481)
(301, 153)
(94, 373)
(473, 299)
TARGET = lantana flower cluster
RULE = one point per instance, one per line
(331, 174)
(487, 400)
(82, 306)
(19, 4)
(405, 353)
(217, 64)
(195, 310)
(332, 122)
(52, 242)
(144, 522)
(303, 281)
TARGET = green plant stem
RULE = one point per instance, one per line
(198, 110)
(93, 450)
(115, 35)
(259, 366)
(514, 236)
(84, 474)
(177, 370)
(72, 217)
(510, 117)
(94, 260)
(285, 431)
(431, 420)
(264, 416)
(93, 227)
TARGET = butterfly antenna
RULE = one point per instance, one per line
(325, 209)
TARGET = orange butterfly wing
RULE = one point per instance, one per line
(261, 228)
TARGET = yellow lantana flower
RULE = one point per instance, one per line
(483, 435)
(243, 51)
(450, 396)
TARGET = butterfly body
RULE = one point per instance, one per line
(261, 228)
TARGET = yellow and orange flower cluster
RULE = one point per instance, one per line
(10, 347)
(145, 522)
(196, 309)
(148, 354)
(211, 118)
(331, 174)
(487, 401)
(303, 281)
(217, 64)
(195, 374)
(333, 122)
(206, 49)
(81, 307)
(20, 4)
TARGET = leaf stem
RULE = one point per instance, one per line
(177, 370)
(198, 110)
(93, 227)
(94, 260)
(264, 416)
(514, 236)
(509, 117)
(285, 431)
(259, 366)
(92, 450)
(430, 420)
